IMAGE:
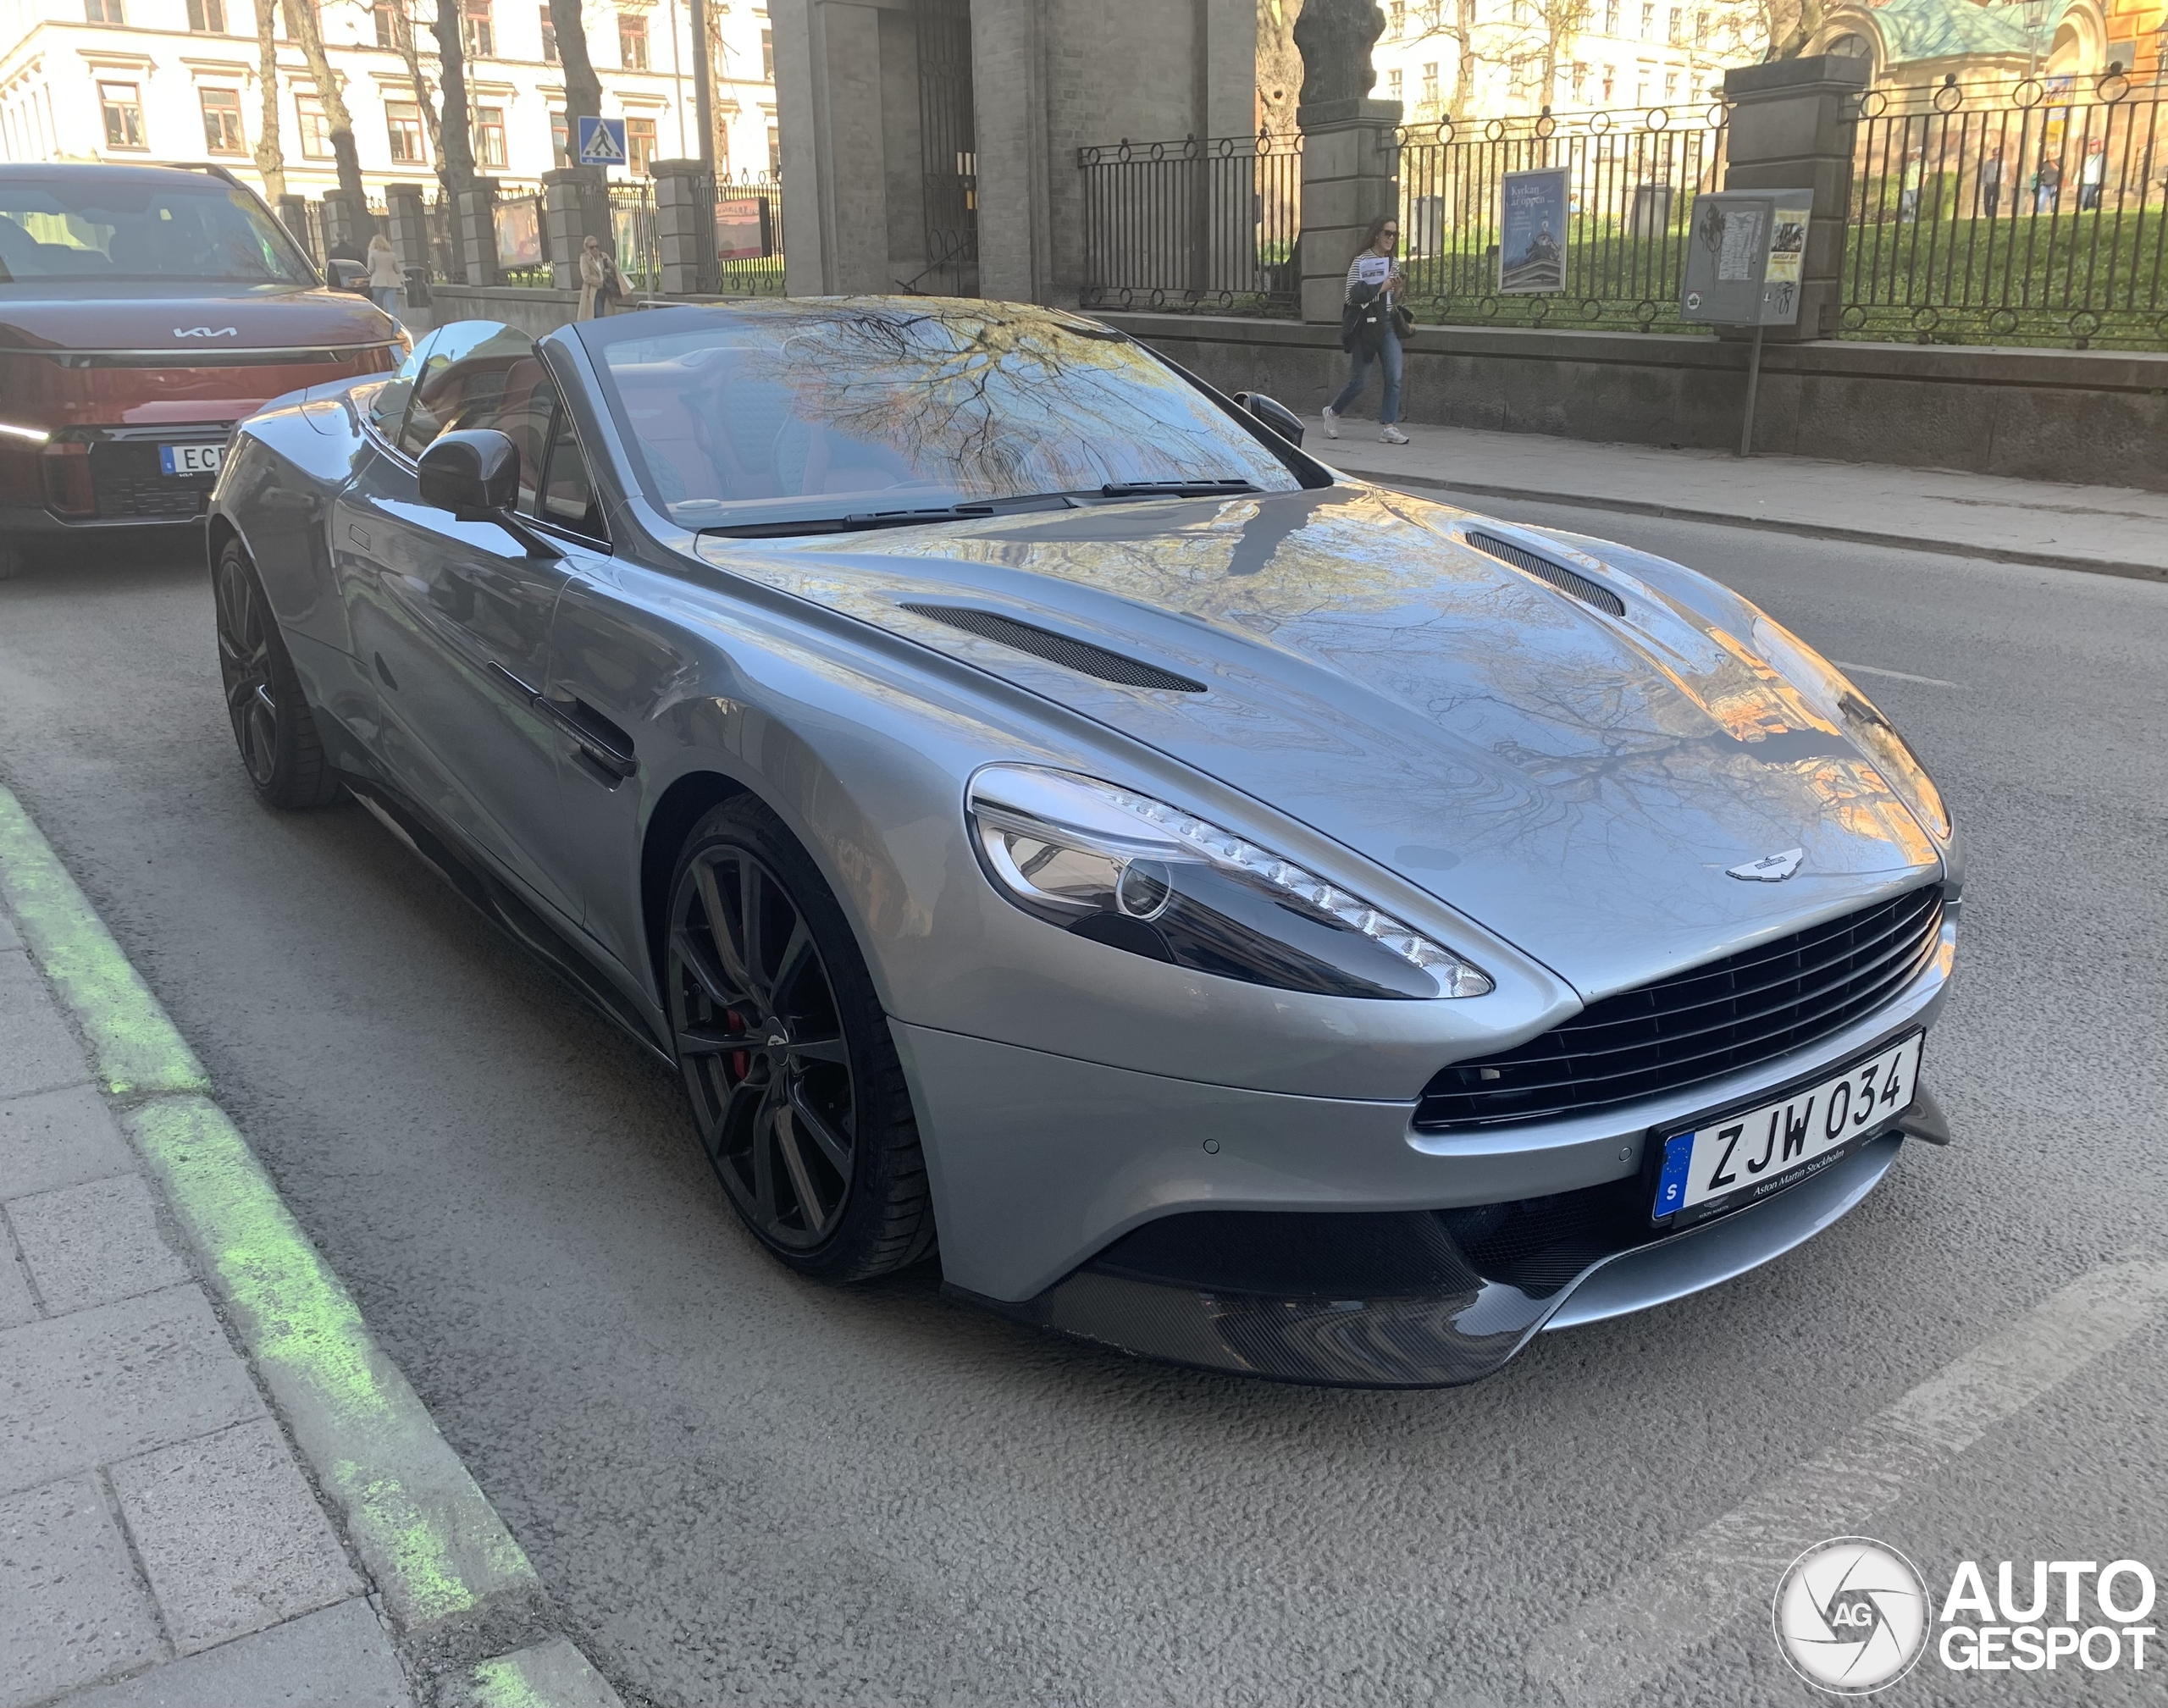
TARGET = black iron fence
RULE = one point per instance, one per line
(1206, 224)
(1631, 179)
(2033, 213)
(748, 237)
(633, 232)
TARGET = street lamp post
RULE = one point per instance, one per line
(2035, 20)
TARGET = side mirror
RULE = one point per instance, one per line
(1275, 415)
(347, 275)
(474, 473)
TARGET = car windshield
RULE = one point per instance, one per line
(80, 225)
(757, 417)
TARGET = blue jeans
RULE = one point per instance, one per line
(1358, 376)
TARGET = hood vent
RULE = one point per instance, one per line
(1564, 580)
(1057, 649)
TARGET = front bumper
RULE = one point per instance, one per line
(1323, 1239)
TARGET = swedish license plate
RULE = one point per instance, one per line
(1729, 1161)
(189, 459)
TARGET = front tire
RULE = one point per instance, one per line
(273, 725)
(796, 1086)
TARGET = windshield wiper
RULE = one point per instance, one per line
(1175, 489)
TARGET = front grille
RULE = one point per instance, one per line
(128, 481)
(1748, 1008)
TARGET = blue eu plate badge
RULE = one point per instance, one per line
(1670, 1183)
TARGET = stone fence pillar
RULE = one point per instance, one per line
(474, 230)
(293, 214)
(575, 206)
(1350, 176)
(346, 221)
(1788, 131)
(685, 225)
(406, 210)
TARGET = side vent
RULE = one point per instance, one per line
(1559, 576)
(1057, 649)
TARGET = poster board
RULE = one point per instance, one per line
(742, 230)
(1532, 231)
(1746, 257)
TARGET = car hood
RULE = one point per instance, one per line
(1577, 783)
(198, 323)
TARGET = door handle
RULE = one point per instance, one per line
(611, 751)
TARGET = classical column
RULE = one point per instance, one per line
(685, 225)
(1788, 131)
(1350, 164)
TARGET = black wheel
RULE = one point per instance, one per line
(272, 722)
(796, 1086)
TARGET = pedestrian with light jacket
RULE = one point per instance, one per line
(386, 278)
(1371, 328)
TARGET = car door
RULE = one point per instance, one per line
(453, 617)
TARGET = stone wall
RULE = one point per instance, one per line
(2087, 416)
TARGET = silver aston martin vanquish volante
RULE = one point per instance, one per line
(1243, 915)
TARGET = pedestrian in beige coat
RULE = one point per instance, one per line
(600, 283)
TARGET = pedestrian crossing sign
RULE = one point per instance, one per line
(601, 141)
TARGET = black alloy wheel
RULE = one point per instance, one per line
(270, 715)
(786, 1054)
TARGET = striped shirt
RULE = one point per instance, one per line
(1354, 267)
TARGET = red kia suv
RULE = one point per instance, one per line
(144, 310)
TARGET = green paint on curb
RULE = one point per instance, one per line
(435, 1544)
(139, 1052)
(554, 1674)
(428, 1536)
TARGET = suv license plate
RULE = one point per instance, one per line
(1730, 1161)
(189, 459)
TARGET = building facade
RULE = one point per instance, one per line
(1568, 55)
(181, 81)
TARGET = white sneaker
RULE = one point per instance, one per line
(1331, 423)
(1391, 435)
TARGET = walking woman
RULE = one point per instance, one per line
(600, 284)
(386, 279)
(1375, 290)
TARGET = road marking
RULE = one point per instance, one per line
(1630, 1634)
(1896, 675)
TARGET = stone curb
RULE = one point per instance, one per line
(1816, 530)
(455, 1582)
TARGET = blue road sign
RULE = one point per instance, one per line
(601, 141)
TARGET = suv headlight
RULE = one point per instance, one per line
(1134, 873)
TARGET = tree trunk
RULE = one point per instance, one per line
(1464, 34)
(270, 160)
(1279, 66)
(583, 88)
(410, 50)
(455, 139)
(303, 27)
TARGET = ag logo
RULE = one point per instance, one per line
(1852, 1616)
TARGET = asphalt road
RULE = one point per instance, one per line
(742, 1488)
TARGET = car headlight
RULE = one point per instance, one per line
(1132, 872)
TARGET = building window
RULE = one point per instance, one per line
(1580, 81)
(394, 28)
(122, 104)
(1648, 22)
(104, 12)
(1430, 84)
(478, 29)
(315, 128)
(640, 144)
(632, 41)
(402, 124)
(1392, 83)
(1610, 82)
(549, 39)
(490, 137)
(767, 56)
(1396, 18)
(208, 17)
(1678, 22)
(222, 121)
(1641, 85)
(1611, 17)
(1671, 86)
(561, 146)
